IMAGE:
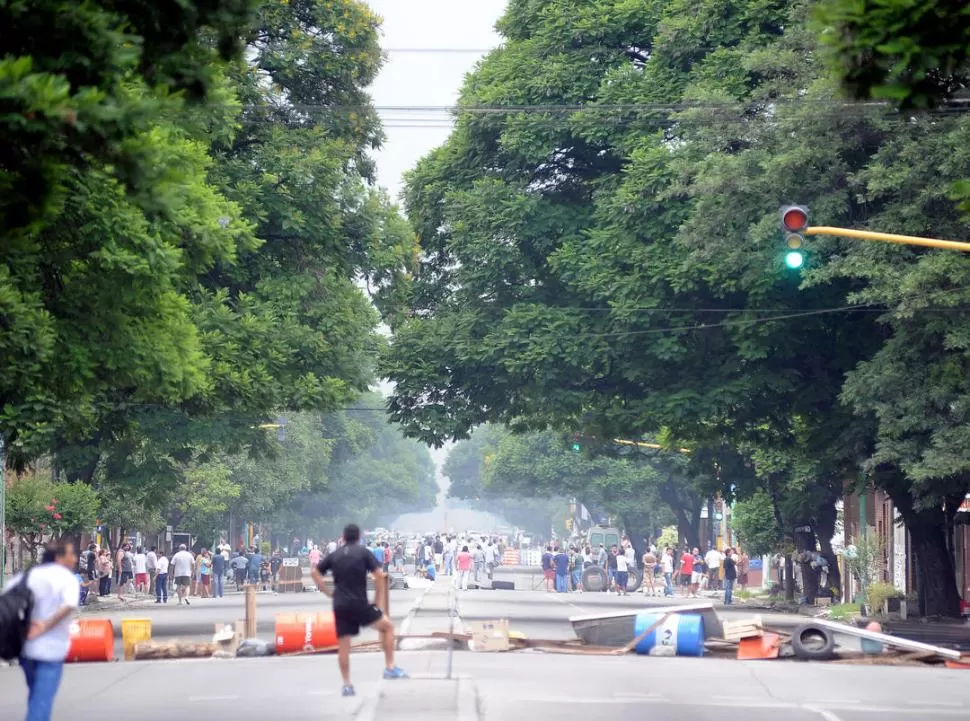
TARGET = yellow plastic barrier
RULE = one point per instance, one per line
(134, 630)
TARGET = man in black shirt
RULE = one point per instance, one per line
(350, 565)
(730, 575)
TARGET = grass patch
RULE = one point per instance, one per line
(842, 611)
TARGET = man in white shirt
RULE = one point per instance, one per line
(140, 563)
(712, 560)
(56, 596)
(151, 563)
(182, 565)
(667, 568)
(161, 579)
(622, 574)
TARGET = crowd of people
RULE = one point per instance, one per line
(663, 571)
(139, 571)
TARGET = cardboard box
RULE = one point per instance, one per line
(490, 635)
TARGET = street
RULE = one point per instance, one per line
(485, 687)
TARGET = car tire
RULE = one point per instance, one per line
(813, 643)
(594, 579)
(634, 580)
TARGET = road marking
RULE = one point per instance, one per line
(946, 704)
(213, 698)
(824, 713)
(739, 699)
(834, 701)
(637, 696)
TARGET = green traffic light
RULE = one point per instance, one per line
(577, 448)
(794, 259)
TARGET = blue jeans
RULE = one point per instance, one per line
(728, 591)
(668, 584)
(577, 578)
(217, 586)
(562, 583)
(161, 587)
(43, 679)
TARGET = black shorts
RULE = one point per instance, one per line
(126, 576)
(349, 619)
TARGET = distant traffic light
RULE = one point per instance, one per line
(794, 220)
(577, 445)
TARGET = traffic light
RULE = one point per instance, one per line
(794, 220)
(577, 445)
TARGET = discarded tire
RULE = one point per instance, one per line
(634, 579)
(813, 643)
(594, 579)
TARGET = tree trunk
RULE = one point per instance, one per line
(825, 526)
(789, 578)
(937, 575)
(805, 544)
(935, 569)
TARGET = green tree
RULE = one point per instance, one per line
(38, 509)
(755, 523)
(609, 260)
(914, 53)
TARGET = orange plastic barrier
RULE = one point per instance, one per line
(92, 639)
(305, 631)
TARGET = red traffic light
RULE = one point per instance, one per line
(794, 218)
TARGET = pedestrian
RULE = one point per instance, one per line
(667, 568)
(151, 563)
(612, 567)
(730, 575)
(649, 569)
(548, 570)
(491, 559)
(218, 574)
(686, 570)
(161, 578)
(351, 608)
(275, 564)
(127, 571)
(478, 561)
(239, 565)
(439, 554)
(712, 560)
(464, 561)
(56, 595)
(182, 566)
(104, 568)
(622, 571)
(697, 573)
(205, 573)
(743, 564)
(140, 566)
(560, 563)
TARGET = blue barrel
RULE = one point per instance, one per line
(683, 631)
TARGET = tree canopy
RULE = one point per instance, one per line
(601, 253)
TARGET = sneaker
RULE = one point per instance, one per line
(348, 691)
(396, 672)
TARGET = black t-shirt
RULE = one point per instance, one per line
(730, 569)
(439, 547)
(349, 565)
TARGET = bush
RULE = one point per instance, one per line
(877, 594)
(39, 509)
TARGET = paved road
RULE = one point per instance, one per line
(519, 686)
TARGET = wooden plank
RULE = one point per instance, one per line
(885, 638)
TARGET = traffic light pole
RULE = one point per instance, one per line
(887, 237)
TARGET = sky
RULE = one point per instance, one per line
(431, 45)
(418, 74)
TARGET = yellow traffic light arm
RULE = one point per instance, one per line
(887, 237)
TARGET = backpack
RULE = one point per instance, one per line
(16, 606)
